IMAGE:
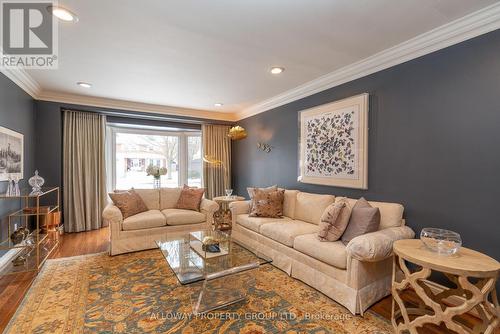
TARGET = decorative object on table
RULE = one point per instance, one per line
(237, 133)
(333, 142)
(16, 191)
(473, 276)
(156, 172)
(210, 244)
(264, 147)
(33, 209)
(228, 193)
(443, 242)
(36, 182)
(10, 187)
(19, 260)
(11, 154)
(19, 234)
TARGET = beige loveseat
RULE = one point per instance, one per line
(356, 275)
(140, 231)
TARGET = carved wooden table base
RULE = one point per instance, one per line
(478, 295)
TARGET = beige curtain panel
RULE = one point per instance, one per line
(84, 179)
(217, 145)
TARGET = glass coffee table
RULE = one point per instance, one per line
(219, 278)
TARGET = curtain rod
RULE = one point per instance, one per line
(151, 116)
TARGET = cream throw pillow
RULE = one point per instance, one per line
(334, 220)
(251, 190)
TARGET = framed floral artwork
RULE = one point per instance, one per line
(333, 144)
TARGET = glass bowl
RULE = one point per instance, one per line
(441, 241)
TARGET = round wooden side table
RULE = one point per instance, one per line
(478, 294)
(222, 217)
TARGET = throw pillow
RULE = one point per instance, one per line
(364, 219)
(129, 202)
(267, 204)
(190, 198)
(251, 190)
(334, 220)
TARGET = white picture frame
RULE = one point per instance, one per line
(11, 154)
(333, 144)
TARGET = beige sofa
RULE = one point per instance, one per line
(356, 275)
(140, 231)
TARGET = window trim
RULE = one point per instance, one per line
(112, 130)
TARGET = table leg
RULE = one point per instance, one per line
(433, 310)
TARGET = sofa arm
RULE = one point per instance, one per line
(111, 214)
(239, 207)
(209, 207)
(377, 246)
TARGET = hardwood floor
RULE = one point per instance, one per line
(14, 287)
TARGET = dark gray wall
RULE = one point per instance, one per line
(16, 113)
(433, 143)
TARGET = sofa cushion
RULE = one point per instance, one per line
(129, 202)
(289, 203)
(310, 207)
(391, 214)
(254, 223)
(151, 198)
(332, 253)
(364, 219)
(334, 220)
(183, 217)
(251, 190)
(169, 198)
(190, 198)
(286, 231)
(267, 203)
(143, 220)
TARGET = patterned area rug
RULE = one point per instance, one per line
(138, 293)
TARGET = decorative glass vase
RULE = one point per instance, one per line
(156, 182)
(36, 182)
(443, 242)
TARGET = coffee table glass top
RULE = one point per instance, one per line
(190, 263)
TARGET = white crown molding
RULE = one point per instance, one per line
(21, 78)
(101, 102)
(462, 29)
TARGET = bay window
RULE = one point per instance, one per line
(132, 150)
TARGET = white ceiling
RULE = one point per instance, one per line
(192, 54)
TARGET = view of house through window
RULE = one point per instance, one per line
(136, 149)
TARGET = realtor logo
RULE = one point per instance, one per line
(28, 35)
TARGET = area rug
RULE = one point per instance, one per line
(138, 293)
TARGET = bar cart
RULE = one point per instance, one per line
(28, 244)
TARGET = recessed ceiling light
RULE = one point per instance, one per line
(277, 70)
(62, 14)
(218, 104)
(84, 84)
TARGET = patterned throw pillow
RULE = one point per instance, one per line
(364, 219)
(267, 203)
(190, 198)
(334, 220)
(129, 202)
(251, 190)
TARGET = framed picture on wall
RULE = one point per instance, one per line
(333, 144)
(11, 154)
